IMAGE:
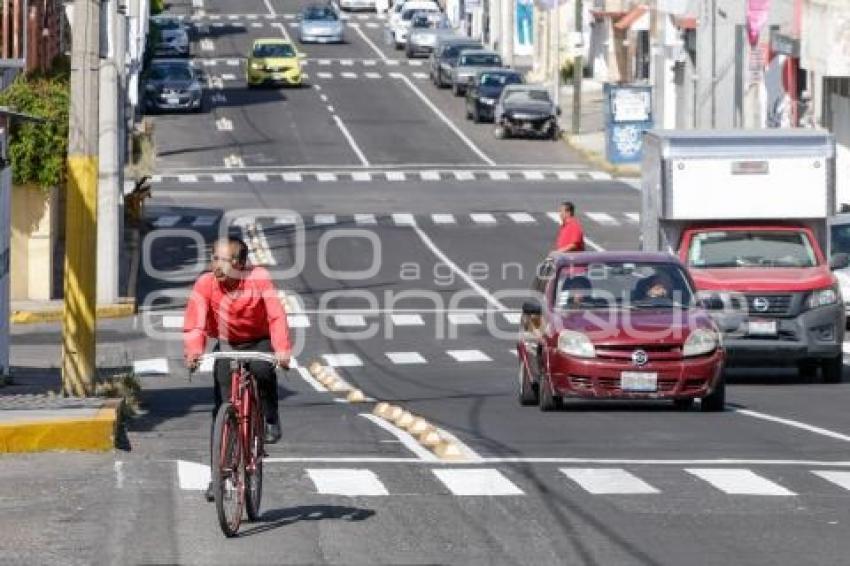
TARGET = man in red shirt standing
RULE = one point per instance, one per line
(237, 305)
(570, 235)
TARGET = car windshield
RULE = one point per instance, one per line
(452, 51)
(751, 248)
(424, 21)
(840, 238)
(174, 72)
(499, 79)
(527, 96)
(622, 285)
(408, 14)
(168, 23)
(320, 14)
(480, 59)
(274, 50)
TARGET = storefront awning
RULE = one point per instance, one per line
(631, 17)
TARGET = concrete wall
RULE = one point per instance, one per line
(34, 233)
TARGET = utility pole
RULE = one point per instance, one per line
(556, 53)
(578, 73)
(79, 317)
(508, 25)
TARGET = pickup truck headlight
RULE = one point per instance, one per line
(576, 344)
(823, 297)
(700, 342)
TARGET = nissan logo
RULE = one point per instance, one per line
(761, 304)
(639, 358)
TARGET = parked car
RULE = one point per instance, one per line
(173, 39)
(614, 325)
(444, 58)
(484, 91)
(526, 110)
(173, 84)
(399, 25)
(320, 24)
(469, 62)
(275, 61)
(426, 28)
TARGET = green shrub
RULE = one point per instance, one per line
(157, 7)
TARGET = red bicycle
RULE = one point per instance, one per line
(237, 446)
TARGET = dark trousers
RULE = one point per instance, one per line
(264, 372)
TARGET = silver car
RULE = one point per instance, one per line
(469, 63)
(426, 29)
(320, 24)
(173, 36)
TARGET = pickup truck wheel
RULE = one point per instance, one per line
(716, 400)
(833, 369)
(528, 393)
(548, 400)
(683, 404)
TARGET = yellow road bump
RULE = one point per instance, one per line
(382, 409)
(448, 450)
(404, 420)
(419, 426)
(429, 439)
(355, 396)
(314, 367)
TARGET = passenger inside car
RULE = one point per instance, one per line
(575, 291)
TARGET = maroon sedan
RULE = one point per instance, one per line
(618, 326)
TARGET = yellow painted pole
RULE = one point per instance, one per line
(78, 321)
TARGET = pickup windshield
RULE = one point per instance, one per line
(751, 248)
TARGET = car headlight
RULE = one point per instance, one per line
(195, 89)
(822, 297)
(487, 101)
(256, 65)
(700, 342)
(576, 344)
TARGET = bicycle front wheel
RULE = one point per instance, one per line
(228, 470)
(254, 471)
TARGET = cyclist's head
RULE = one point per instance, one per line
(230, 255)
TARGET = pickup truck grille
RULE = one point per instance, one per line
(768, 304)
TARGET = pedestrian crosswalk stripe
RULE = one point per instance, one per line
(429, 176)
(464, 175)
(602, 218)
(499, 176)
(324, 219)
(326, 177)
(554, 216)
(443, 218)
(361, 176)
(373, 75)
(172, 321)
(369, 63)
(324, 61)
(256, 25)
(608, 481)
(600, 176)
(257, 177)
(512, 317)
(325, 75)
(483, 218)
(155, 366)
(204, 221)
(566, 176)
(342, 360)
(420, 76)
(405, 358)
(346, 62)
(292, 177)
(739, 481)
(477, 482)
(459, 319)
(633, 217)
(533, 175)
(403, 219)
(166, 221)
(407, 320)
(187, 178)
(396, 176)
(349, 75)
(521, 217)
(222, 178)
(349, 482)
(286, 219)
(469, 356)
(841, 479)
(350, 320)
(365, 219)
(298, 321)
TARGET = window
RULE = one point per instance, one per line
(274, 50)
(527, 96)
(171, 73)
(499, 79)
(481, 60)
(320, 14)
(751, 248)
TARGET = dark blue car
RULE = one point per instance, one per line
(484, 91)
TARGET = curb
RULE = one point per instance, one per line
(92, 434)
(117, 310)
(596, 159)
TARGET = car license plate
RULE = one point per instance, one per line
(639, 381)
(761, 327)
(172, 100)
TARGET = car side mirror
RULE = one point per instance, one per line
(839, 261)
(558, 110)
(532, 308)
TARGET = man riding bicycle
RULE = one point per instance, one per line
(237, 305)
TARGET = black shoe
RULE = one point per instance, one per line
(208, 494)
(273, 433)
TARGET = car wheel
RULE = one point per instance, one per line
(399, 46)
(468, 113)
(528, 392)
(716, 400)
(683, 404)
(833, 369)
(500, 132)
(440, 82)
(476, 116)
(456, 90)
(556, 133)
(548, 400)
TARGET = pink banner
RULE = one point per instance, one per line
(757, 13)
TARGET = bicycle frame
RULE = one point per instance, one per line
(244, 396)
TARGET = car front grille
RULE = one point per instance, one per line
(775, 304)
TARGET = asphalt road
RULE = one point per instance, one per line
(404, 237)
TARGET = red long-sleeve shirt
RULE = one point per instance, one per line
(570, 233)
(250, 311)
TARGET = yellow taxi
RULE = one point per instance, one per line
(273, 61)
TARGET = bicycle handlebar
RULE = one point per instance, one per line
(241, 355)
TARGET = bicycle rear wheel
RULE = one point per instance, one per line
(254, 472)
(228, 470)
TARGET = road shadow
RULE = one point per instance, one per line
(277, 518)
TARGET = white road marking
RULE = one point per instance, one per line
(153, 366)
(207, 45)
(512, 317)
(521, 217)
(361, 176)
(499, 176)
(324, 219)
(365, 219)
(608, 481)
(326, 177)
(257, 25)
(555, 217)
(257, 177)
(222, 178)
(305, 375)
(415, 62)
(577, 461)
(407, 320)
(292, 177)
(372, 75)
(405, 358)
(483, 218)
(420, 76)
(403, 219)
(233, 62)
(371, 44)
(360, 155)
(599, 176)
(330, 109)
(350, 320)
(346, 62)
(369, 62)
(342, 360)
(602, 218)
(463, 137)
(324, 61)
(193, 476)
(739, 481)
(347, 75)
(795, 424)
(204, 221)
(460, 319)
(166, 221)
(325, 76)
(443, 219)
(477, 482)
(228, 77)
(233, 161)
(633, 217)
(533, 175)
(206, 365)
(429, 176)
(841, 479)
(352, 483)
(566, 176)
(422, 454)
(469, 356)
(298, 321)
(464, 175)
(396, 176)
(187, 178)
